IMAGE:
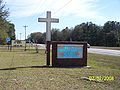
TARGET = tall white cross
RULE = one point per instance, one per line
(48, 21)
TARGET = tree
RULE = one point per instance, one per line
(43, 38)
(56, 35)
(66, 34)
(107, 35)
(86, 32)
(7, 29)
(3, 14)
(92, 33)
(77, 33)
(35, 37)
(111, 33)
(11, 31)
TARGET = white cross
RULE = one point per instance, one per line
(48, 21)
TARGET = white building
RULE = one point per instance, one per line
(20, 43)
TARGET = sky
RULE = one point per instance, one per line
(69, 12)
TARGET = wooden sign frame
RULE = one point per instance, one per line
(56, 62)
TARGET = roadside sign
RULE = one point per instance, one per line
(8, 39)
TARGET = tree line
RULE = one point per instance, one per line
(106, 35)
(7, 29)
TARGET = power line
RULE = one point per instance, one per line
(38, 7)
(62, 7)
(20, 36)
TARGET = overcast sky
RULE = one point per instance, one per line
(69, 12)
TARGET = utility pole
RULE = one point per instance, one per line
(20, 36)
(25, 35)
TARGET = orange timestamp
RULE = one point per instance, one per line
(101, 78)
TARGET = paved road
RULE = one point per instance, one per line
(104, 51)
(95, 50)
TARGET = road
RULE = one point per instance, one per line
(104, 51)
(95, 50)
(90, 50)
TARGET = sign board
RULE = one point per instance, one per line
(8, 39)
(69, 54)
(69, 51)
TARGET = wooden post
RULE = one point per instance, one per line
(48, 43)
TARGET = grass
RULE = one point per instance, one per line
(20, 70)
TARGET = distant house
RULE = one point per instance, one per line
(18, 43)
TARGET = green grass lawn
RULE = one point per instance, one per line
(20, 70)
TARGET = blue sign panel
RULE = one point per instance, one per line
(69, 51)
(8, 39)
